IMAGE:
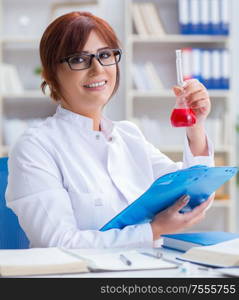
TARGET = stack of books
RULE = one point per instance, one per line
(146, 19)
(213, 248)
(146, 77)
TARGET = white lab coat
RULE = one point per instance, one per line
(67, 180)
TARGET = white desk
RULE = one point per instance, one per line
(166, 273)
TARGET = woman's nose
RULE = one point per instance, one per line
(96, 67)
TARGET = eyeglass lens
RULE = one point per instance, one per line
(107, 57)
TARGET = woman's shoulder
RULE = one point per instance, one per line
(39, 129)
(34, 137)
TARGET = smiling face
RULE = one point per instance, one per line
(87, 91)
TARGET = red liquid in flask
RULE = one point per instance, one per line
(182, 117)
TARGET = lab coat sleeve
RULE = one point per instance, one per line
(36, 194)
(162, 164)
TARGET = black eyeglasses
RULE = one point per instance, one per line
(82, 61)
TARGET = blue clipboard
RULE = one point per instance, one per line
(199, 182)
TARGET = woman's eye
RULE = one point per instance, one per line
(77, 60)
(105, 55)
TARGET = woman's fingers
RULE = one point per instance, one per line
(171, 220)
(195, 215)
(197, 96)
(199, 104)
(193, 85)
(182, 201)
(179, 204)
(209, 201)
(193, 91)
(197, 219)
(199, 209)
(177, 90)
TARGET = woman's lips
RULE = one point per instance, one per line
(96, 88)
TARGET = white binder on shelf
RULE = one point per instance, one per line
(216, 68)
(194, 16)
(183, 16)
(206, 68)
(215, 16)
(204, 16)
(196, 63)
(225, 82)
(225, 17)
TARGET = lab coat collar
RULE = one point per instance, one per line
(87, 123)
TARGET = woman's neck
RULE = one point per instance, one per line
(95, 116)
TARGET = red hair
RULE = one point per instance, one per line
(66, 35)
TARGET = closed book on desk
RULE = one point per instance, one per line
(185, 241)
(224, 254)
(199, 182)
(39, 261)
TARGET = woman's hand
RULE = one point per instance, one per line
(171, 220)
(197, 98)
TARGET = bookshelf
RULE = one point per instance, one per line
(146, 106)
(20, 50)
(175, 38)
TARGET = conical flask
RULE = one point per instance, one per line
(182, 115)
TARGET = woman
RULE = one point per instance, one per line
(71, 174)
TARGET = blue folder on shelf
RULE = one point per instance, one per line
(199, 182)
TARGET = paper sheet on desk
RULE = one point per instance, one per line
(111, 261)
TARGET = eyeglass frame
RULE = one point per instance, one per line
(91, 55)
